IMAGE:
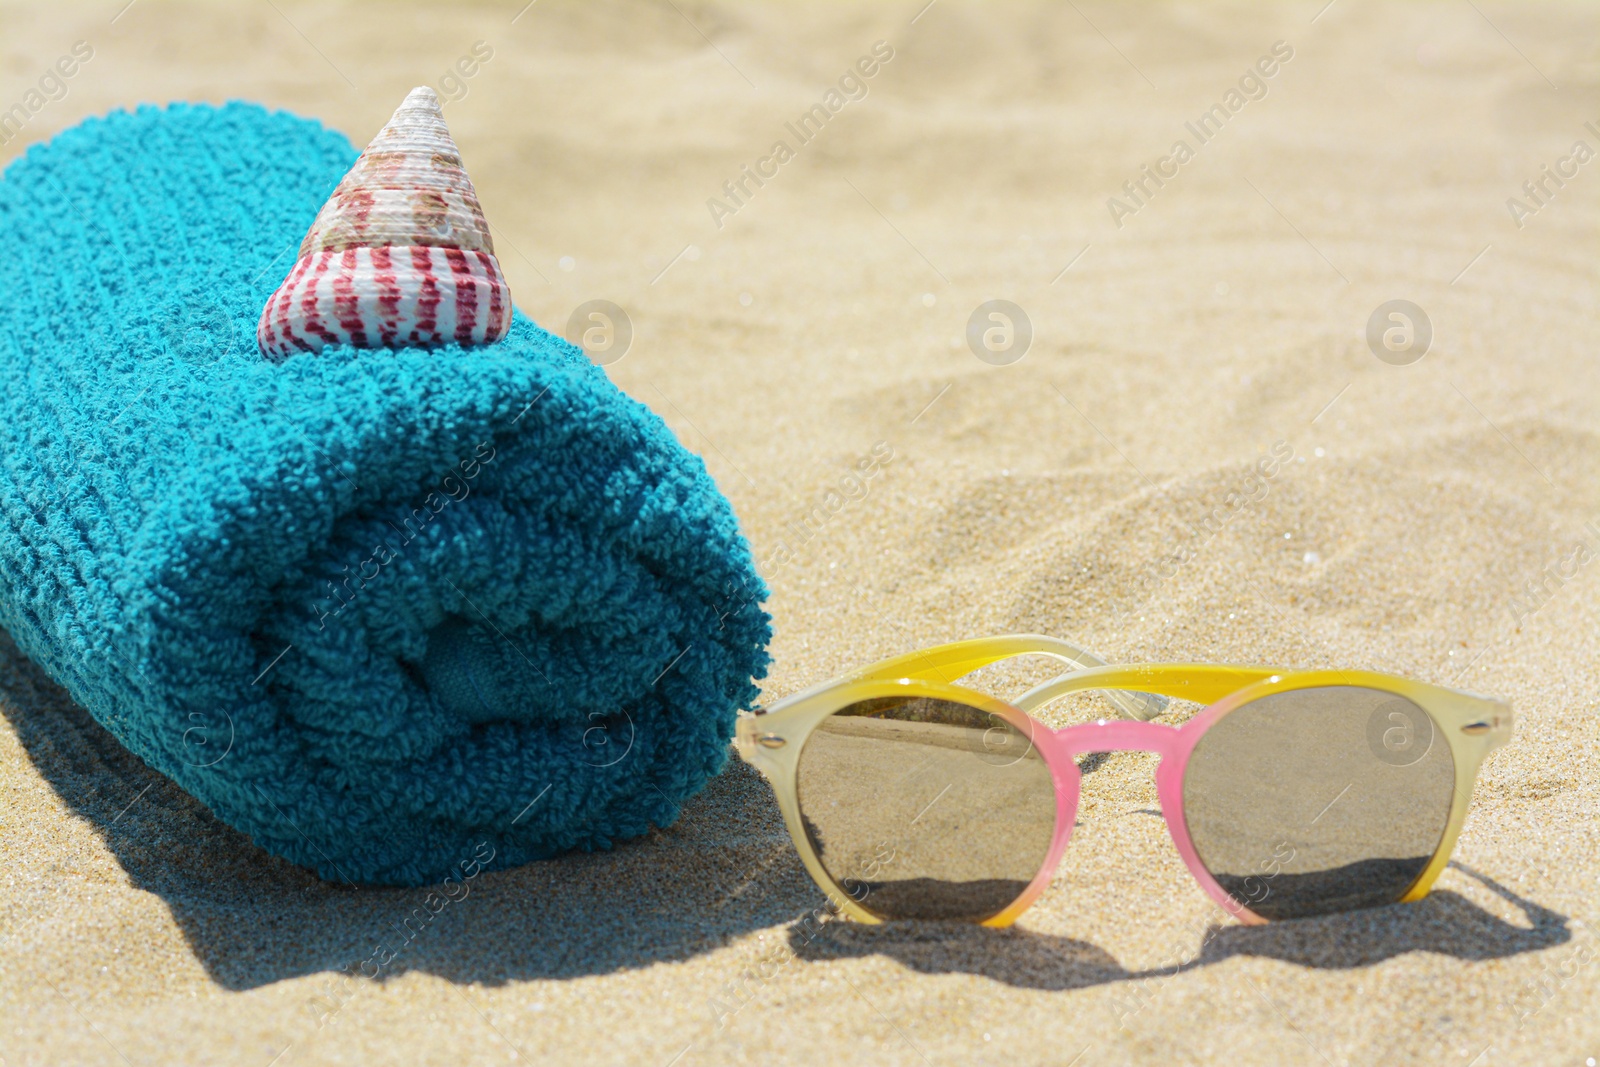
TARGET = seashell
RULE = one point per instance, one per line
(400, 255)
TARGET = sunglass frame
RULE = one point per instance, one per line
(773, 739)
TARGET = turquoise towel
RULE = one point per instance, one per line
(387, 612)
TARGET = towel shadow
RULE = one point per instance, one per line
(725, 868)
(1444, 922)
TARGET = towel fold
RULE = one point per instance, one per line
(375, 608)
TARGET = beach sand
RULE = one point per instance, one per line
(1217, 320)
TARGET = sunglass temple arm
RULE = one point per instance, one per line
(946, 663)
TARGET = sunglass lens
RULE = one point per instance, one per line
(1312, 801)
(926, 809)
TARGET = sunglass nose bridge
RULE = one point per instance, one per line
(1117, 735)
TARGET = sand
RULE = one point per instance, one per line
(1408, 509)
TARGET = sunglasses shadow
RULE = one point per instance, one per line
(1444, 922)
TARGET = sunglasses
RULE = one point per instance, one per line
(1291, 794)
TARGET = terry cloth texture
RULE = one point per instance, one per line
(375, 608)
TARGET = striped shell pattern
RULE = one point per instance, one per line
(399, 256)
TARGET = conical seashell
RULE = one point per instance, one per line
(400, 255)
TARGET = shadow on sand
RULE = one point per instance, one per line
(724, 869)
(1444, 922)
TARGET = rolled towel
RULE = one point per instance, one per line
(387, 611)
